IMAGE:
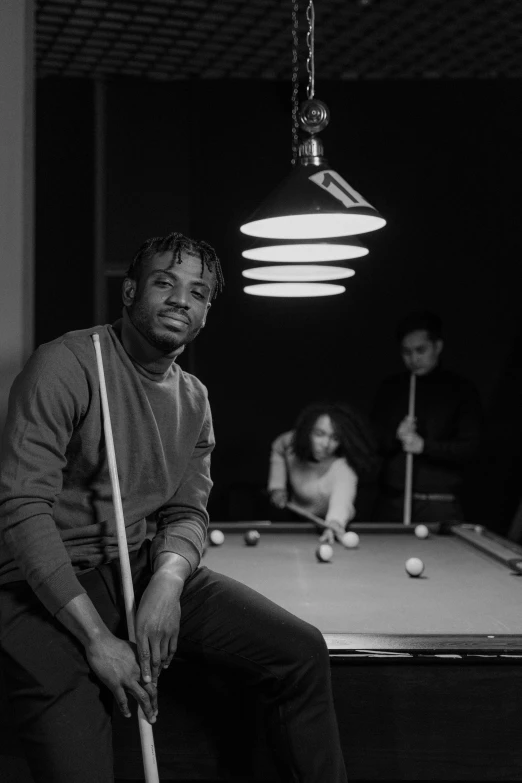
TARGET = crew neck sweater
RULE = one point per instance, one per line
(56, 507)
(327, 488)
(449, 419)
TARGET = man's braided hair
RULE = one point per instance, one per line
(178, 243)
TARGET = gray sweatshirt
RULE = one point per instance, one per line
(56, 510)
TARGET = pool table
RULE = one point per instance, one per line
(426, 672)
(468, 599)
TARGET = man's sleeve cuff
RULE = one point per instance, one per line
(59, 589)
(177, 546)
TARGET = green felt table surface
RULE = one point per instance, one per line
(366, 590)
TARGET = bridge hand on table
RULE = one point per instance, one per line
(334, 531)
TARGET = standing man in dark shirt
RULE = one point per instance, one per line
(443, 435)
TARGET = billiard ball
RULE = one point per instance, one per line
(324, 553)
(421, 531)
(350, 540)
(251, 537)
(216, 537)
(414, 566)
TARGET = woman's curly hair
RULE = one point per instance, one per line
(357, 443)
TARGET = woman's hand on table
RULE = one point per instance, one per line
(334, 531)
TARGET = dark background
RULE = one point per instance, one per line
(440, 160)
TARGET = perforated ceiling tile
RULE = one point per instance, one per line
(355, 39)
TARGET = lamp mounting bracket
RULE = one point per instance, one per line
(314, 115)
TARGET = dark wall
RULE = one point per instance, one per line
(442, 163)
(148, 168)
(64, 207)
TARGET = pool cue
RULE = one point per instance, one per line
(307, 514)
(147, 739)
(406, 512)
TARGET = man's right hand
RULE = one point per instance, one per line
(279, 498)
(113, 660)
(115, 663)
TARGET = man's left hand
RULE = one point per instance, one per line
(157, 623)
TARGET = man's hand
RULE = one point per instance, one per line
(279, 498)
(334, 531)
(413, 444)
(113, 660)
(115, 663)
(159, 614)
(406, 428)
(157, 624)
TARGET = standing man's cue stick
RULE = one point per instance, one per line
(406, 514)
(147, 739)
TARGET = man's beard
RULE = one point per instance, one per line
(164, 342)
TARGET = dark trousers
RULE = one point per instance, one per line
(63, 713)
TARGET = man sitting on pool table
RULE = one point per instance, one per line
(443, 436)
(62, 650)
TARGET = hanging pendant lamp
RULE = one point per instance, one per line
(313, 201)
(312, 204)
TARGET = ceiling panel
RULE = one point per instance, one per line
(354, 39)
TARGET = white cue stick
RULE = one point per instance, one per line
(147, 739)
(406, 513)
(307, 514)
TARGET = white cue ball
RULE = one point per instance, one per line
(421, 531)
(350, 540)
(324, 553)
(216, 537)
(414, 566)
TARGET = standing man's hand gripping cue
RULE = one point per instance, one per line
(412, 442)
(159, 614)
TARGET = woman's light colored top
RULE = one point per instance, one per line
(327, 488)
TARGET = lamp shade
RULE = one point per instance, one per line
(294, 290)
(307, 253)
(298, 273)
(313, 202)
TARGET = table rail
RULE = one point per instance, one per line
(308, 527)
(389, 645)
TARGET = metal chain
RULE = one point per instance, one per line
(295, 80)
(310, 62)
